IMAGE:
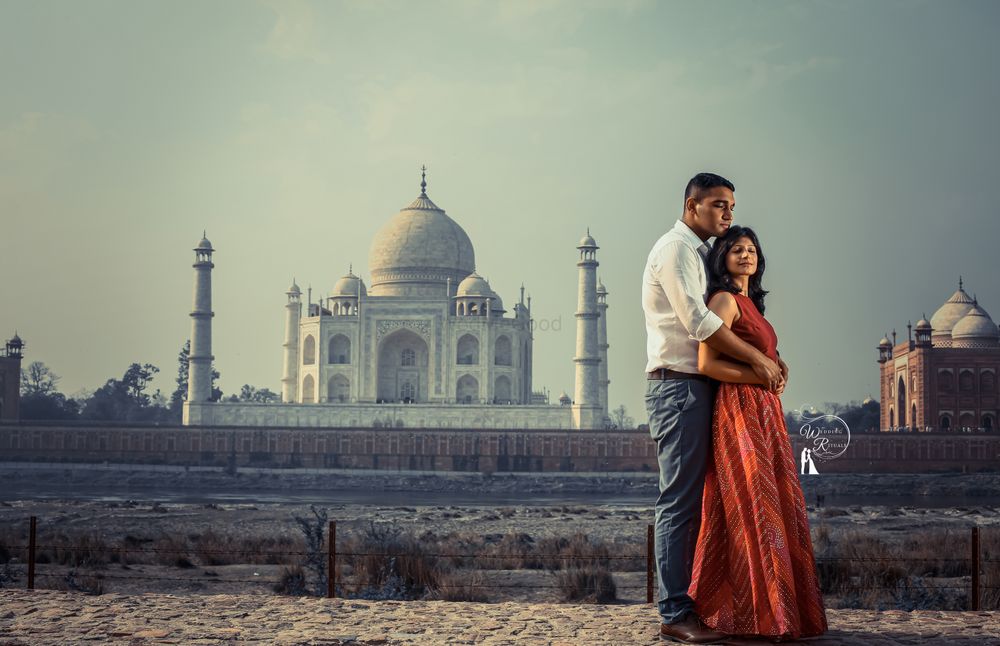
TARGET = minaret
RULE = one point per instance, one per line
(290, 374)
(200, 359)
(586, 400)
(602, 346)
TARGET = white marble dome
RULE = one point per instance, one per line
(976, 326)
(474, 285)
(956, 307)
(416, 251)
(348, 286)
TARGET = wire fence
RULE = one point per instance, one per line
(583, 572)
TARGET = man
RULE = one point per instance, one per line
(679, 400)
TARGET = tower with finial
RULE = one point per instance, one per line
(587, 411)
(200, 359)
(602, 345)
(10, 379)
(290, 373)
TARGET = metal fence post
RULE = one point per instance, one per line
(331, 562)
(649, 563)
(31, 553)
(975, 569)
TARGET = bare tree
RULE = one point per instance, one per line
(621, 420)
(38, 379)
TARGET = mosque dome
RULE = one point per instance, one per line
(496, 303)
(348, 286)
(884, 343)
(294, 289)
(976, 326)
(601, 289)
(418, 250)
(587, 241)
(475, 285)
(957, 306)
(923, 324)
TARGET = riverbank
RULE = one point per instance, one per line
(18, 480)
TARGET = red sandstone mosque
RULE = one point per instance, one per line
(943, 377)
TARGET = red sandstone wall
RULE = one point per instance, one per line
(449, 450)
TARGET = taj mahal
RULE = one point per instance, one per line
(426, 344)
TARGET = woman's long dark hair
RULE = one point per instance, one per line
(718, 275)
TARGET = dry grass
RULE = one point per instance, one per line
(384, 562)
(858, 568)
(291, 581)
(587, 584)
(925, 569)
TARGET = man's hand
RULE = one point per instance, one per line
(768, 372)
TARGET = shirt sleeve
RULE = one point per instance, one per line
(678, 275)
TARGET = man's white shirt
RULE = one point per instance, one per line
(674, 286)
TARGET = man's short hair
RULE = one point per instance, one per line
(704, 181)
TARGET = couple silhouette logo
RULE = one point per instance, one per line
(806, 463)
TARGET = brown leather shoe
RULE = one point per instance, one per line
(690, 630)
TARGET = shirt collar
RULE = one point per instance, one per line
(689, 235)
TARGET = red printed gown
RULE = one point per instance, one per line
(754, 571)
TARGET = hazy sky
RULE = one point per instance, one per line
(862, 138)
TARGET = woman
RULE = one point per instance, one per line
(754, 572)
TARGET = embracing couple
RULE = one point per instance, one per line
(732, 543)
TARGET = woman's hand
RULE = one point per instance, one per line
(784, 371)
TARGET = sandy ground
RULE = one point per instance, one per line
(46, 617)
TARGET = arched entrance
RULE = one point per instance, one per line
(403, 360)
(338, 389)
(467, 390)
(901, 401)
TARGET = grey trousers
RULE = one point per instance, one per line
(680, 421)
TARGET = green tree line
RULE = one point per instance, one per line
(125, 399)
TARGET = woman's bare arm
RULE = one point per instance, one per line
(710, 361)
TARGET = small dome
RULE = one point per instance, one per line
(204, 244)
(564, 398)
(884, 343)
(923, 324)
(587, 241)
(16, 341)
(600, 288)
(868, 400)
(294, 289)
(496, 303)
(945, 318)
(977, 324)
(348, 286)
(475, 285)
